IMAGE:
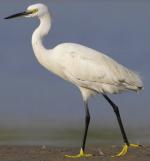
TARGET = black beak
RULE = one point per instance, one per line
(19, 14)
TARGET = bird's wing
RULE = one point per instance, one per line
(88, 68)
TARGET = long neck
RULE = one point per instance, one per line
(37, 37)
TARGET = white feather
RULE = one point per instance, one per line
(91, 71)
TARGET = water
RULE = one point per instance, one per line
(69, 137)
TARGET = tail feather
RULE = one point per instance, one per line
(134, 81)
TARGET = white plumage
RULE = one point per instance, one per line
(87, 68)
(82, 66)
(91, 71)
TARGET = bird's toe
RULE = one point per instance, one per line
(80, 155)
(125, 149)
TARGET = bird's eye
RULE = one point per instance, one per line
(35, 10)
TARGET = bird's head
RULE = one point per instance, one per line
(36, 10)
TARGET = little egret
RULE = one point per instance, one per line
(91, 71)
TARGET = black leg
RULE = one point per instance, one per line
(87, 121)
(116, 110)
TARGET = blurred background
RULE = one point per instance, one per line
(37, 107)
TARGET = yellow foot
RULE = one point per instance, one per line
(125, 149)
(81, 154)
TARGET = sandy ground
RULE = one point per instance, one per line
(39, 153)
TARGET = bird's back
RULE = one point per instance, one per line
(93, 70)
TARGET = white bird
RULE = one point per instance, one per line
(91, 71)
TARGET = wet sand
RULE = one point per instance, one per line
(47, 153)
